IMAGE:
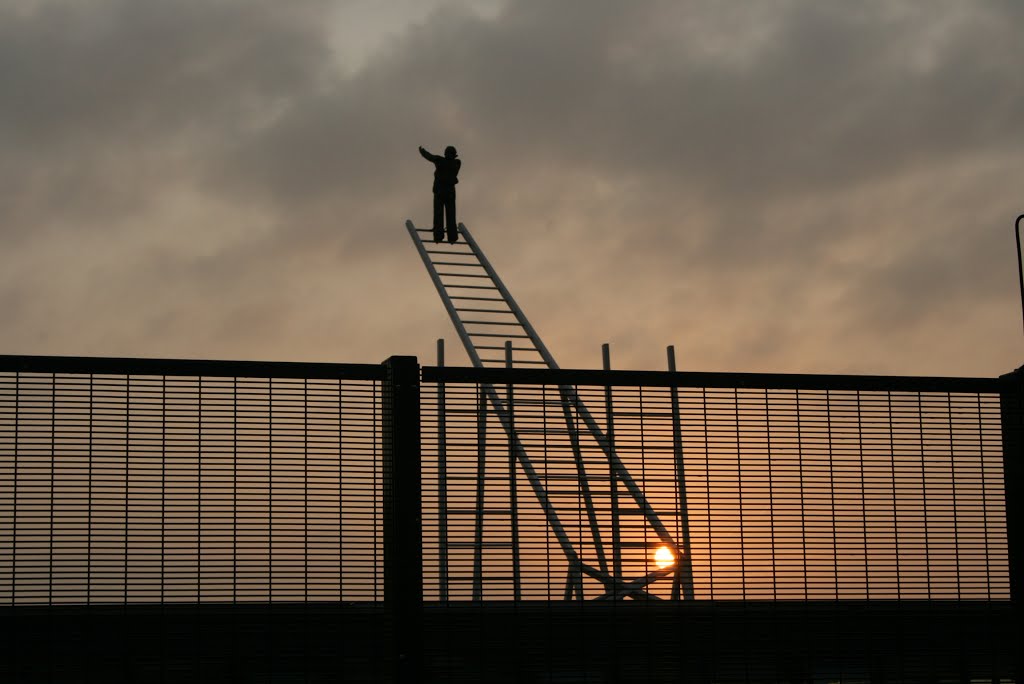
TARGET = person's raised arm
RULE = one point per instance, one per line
(429, 157)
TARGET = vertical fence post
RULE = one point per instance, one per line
(403, 554)
(513, 494)
(683, 579)
(613, 474)
(442, 484)
(1011, 404)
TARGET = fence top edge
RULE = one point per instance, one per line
(718, 380)
(89, 365)
(464, 374)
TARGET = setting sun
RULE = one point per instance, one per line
(664, 557)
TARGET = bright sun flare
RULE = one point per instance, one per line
(663, 557)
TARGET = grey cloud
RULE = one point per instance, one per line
(706, 173)
(102, 103)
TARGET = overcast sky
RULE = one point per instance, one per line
(781, 185)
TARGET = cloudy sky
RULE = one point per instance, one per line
(786, 185)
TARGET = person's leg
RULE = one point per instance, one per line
(438, 217)
(449, 210)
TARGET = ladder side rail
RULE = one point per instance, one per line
(517, 589)
(617, 587)
(613, 458)
(634, 489)
(442, 483)
(550, 513)
(509, 299)
(581, 473)
(448, 305)
(613, 475)
(567, 391)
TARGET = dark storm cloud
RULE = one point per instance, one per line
(103, 102)
(714, 174)
(836, 95)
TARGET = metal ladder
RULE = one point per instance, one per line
(488, 321)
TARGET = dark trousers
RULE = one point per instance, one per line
(444, 208)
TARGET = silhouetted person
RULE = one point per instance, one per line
(446, 175)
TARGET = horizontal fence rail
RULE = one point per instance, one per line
(778, 487)
(132, 481)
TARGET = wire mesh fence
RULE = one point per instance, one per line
(163, 482)
(582, 525)
(816, 491)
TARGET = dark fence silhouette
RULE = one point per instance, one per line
(391, 522)
(788, 488)
(159, 482)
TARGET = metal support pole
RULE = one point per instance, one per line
(1020, 265)
(442, 483)
(613, 474)
(684, 561)
(517, 588)
(573, 429)
(403, 555)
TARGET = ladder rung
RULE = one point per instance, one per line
(516, 323)
(526, 349)
(478, 299)
(464, 275)
(448, 252)
(457, 263)
(471, 287)
(450, 247)
(494, 311)
(518, 337)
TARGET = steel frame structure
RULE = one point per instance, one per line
(468, 284)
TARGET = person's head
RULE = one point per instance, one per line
(450, 153)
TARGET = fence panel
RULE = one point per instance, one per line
(149, 481)
(773, 487)
(226, 517)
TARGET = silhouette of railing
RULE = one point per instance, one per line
(127, 481)
(873, 516)
(798, 487)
